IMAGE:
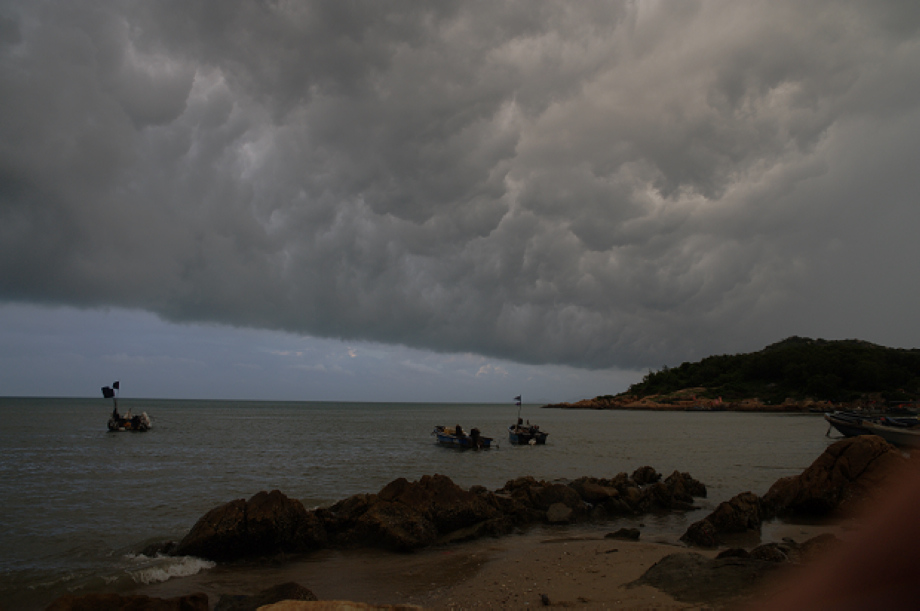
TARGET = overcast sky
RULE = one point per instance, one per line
(447, 201)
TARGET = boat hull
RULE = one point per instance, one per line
(847, 425)
(137, 424)
(900, 436)
(462, 442)
(523, 436)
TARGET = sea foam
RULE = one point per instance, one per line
(162, 568)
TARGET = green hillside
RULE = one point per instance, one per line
(797, 368)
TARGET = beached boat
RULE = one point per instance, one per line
(520, 434)
(456, 438)
(903, 436)
(850, 425)
(128, 422)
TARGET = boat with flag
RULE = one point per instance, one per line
(522, 433)
(127, 422)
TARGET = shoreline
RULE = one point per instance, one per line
(574, 566)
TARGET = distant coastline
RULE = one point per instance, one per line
(693, 403)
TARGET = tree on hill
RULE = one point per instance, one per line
(797, 368)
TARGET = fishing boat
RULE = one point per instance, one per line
(127, 422)
(852, 424)
(455, 437)
(520, 434)
(849, 424)
(895, 433)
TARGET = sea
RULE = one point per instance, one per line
(78, 503)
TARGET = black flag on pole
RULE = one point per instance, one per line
(517, 400)
(115, 385)
(108, 393)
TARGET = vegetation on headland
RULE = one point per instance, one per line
(795, 374)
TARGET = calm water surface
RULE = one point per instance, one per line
(78, 502)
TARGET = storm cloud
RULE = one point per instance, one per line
(596, 184)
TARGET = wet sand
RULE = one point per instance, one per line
(572, 568)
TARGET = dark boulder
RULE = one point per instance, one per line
(284, 591)
(645, 475)
(701, 534)
(266, 524)
(740, 514)
(626, 534)
(693, 578)
(117, 602)
(849, 471)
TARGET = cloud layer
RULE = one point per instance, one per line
(599, 184)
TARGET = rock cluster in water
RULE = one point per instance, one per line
(405, 515)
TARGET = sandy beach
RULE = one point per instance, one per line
(572, 567)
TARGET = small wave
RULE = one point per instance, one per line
(162, 568)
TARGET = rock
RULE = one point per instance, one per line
(268, 523)
(559, 513)
(645, 475)
(817, 546)
(701, 534)
(693, 578)
(284, 591)
(684, 488)
(734, 552)
(849, 471)
(771, 552)
(335, 605)
(591, 490)
(116, 602)
(741, 513)
(627, 534)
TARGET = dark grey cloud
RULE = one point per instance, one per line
(595, 184)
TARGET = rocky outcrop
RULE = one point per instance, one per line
(405, 515)
(742, 513)
(848, 472)
(268, 523)
(116, 602)
(693, 578)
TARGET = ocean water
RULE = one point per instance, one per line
(78, 503)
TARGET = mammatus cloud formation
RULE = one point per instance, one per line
(599, 184)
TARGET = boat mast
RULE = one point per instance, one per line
(518, 401)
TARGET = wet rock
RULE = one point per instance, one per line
(742, 513)
(268, 523)
(734, 552)
(684, 488)
(817, 546)
(694, 578)
(626, 534)
(559, 513)
(848, 471)
(408, 515)
(593, 491)
(771, 552)
(278, 593)
(116, 602)
(645, 475)
(701, 534)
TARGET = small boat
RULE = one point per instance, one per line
(526, 434)
(456, 438)
(852, 424)
(520, 434)
(849, 424)
(128, 422)
(901, 435)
